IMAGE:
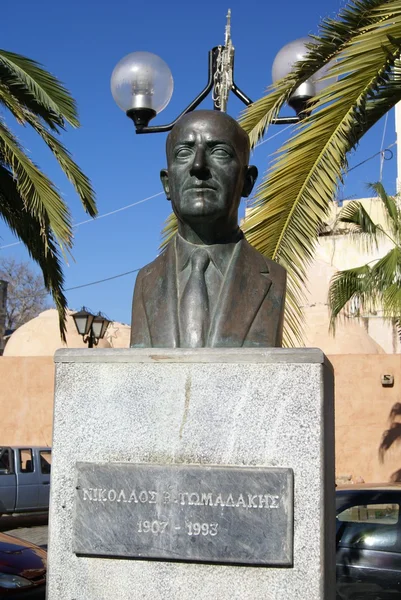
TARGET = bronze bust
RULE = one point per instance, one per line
(209, 288)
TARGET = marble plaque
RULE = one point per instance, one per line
(236, 515)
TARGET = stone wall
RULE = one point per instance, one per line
(363, 407)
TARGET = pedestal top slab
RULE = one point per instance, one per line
(198, 355)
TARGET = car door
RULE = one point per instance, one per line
(45, 461)
(8, 488)
(368, 550)
(27, 480)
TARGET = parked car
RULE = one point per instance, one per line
(22, 569)
(369, 542)
(24, 479)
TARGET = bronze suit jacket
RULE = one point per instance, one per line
(249, 313)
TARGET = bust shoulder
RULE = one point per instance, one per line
(276, 271)
(154, 266)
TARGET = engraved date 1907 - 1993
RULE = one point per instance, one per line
(159, 527)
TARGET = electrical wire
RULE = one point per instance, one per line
(382, 157)
(113, 212)
(274, 135)
(77, 287)
(374, 156)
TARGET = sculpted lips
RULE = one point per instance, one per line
(200, 188)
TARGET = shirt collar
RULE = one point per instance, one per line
(220, 254)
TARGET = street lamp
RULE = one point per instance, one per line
(142, 83)
(91, 327)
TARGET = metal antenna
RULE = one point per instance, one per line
(223, 77)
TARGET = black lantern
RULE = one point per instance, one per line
(91, 327)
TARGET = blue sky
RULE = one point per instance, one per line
(81, 42)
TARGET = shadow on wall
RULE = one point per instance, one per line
(391, 437)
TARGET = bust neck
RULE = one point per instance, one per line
(208, 234)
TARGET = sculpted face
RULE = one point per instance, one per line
(208, 172)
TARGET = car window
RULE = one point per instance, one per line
(5, 461)
(26, 462)
(45, 462)
(370, 526)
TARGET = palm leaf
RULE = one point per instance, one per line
(36, 190)
(37, 89)
(70, 168)
(362, 228)
(37, 238)
(393, 217)
(387, 270)
(169, 230)
(345, 286)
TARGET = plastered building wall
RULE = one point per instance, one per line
(3, 304)
(363, 407)
(26, 400)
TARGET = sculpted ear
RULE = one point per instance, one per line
(250, 178)
(165, 183)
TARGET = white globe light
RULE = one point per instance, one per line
(283, 64)
(297, 51)
(288, 56)
(142, 80)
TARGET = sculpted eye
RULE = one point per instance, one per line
(183, 152)
(221, 152)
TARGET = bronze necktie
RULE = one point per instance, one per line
(194, 306)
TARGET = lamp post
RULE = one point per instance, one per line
(142, 83)
(91, 327)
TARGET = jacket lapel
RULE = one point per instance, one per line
(160, 292)
(243, 291)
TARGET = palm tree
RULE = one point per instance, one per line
(363, 45)
(29, 202)
(376, 284)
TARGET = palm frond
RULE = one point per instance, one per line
(392, 214)
(345, 286)
(37, 89)
(387, 270)
(169, 230)
(37, 238)
(355, 213)
(79, 180)
(70, 168)
(361, 227)
(294, 198)
(37, 192)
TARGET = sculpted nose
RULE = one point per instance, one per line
(199, 166)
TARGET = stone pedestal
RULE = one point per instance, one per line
(239, 408)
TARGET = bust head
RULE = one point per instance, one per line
(208, 171)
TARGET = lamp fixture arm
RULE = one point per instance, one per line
(212, 69)
(204, 93)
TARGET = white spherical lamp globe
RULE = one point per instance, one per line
(283, 64)
(142, 80)
(288, 56)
